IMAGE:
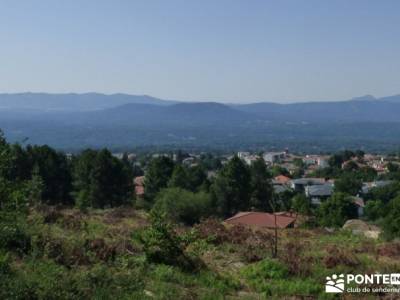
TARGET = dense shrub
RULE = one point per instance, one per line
(348, 184)
(47, 280)
(4, 264)
(336, 210)
(391, 222)
(162, 245)
(183, 206)
(266, 269)
(12, 233)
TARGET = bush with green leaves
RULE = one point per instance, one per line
(336, 210)
(162, 245)
(301, 204)
(13, 236)
(391, 222)
(182, 205)
(266, 269)
(374, 210)
(5, 260)
(348, 183)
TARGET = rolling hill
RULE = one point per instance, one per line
(74, 121)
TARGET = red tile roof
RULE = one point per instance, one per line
(261, 219)
(281, 179)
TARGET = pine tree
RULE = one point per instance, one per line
(261, 186)
(35, 187)
(231, 188)
(179, 177)
(157, 176)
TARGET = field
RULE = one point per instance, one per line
(71, 255)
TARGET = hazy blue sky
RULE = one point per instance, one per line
(225, 50)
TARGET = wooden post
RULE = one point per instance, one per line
(275, 252)
(276, 238)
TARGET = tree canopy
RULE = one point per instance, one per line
(231, 189)
(158, 174)
(335, 211)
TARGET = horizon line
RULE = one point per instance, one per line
(226, 102)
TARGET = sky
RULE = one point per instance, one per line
(221, 50)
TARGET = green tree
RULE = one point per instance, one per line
(391, 222)
(158, 174)
(351, 166)
(278, 170)
(336, 210)
(298, 162)
(335, 161)
(374, 209)
(9, 189)
(82, 168)
(385, 193)
(348, 184)
(231, 188)
(261, 186)
(162, 245)
(5, 157)
(179, 177)
(54, 169)
(301, 204)
(392, 168)
(22, 163)
(5, 192)
(298, 173)
(360, 154)
(338, 159)
(210, 162)
(101, 180)
(35, 187)
(127, 165)
(197, 178)
(367, 174)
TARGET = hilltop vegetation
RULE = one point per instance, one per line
(71, 228)
(64, 254)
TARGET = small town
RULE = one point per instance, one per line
(307, 177)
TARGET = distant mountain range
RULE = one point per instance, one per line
(72, 101)
(74, 121)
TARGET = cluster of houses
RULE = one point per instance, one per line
(319, 189)
(313, 162)
(316, 190)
